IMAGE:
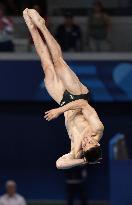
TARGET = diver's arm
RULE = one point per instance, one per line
(74, 105)
(94, 121)
(77, 104)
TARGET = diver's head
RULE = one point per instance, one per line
(91, 150)
(93, 155)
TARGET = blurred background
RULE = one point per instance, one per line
(96, 38)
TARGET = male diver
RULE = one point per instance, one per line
(81, 120)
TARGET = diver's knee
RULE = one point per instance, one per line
(49, 74)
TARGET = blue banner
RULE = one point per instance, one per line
(108, 81)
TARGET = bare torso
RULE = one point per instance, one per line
(76, 124)
(75, 121)
(77, 127)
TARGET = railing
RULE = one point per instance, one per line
(83, 56)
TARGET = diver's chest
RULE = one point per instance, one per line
(77, 122)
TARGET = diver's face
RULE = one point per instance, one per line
(88, 143)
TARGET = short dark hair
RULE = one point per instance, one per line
(92, 155)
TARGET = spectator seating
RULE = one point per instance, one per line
(120, 35)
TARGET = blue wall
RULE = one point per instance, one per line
(108, 80)
(30, 146)
(121, 182)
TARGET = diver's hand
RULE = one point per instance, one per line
(52, 114)
(89, 142)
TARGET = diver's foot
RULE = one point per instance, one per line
(28, 19)
(36, 18)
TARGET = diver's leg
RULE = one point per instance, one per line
(40, 46)
(67, 76)
(52, 44)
